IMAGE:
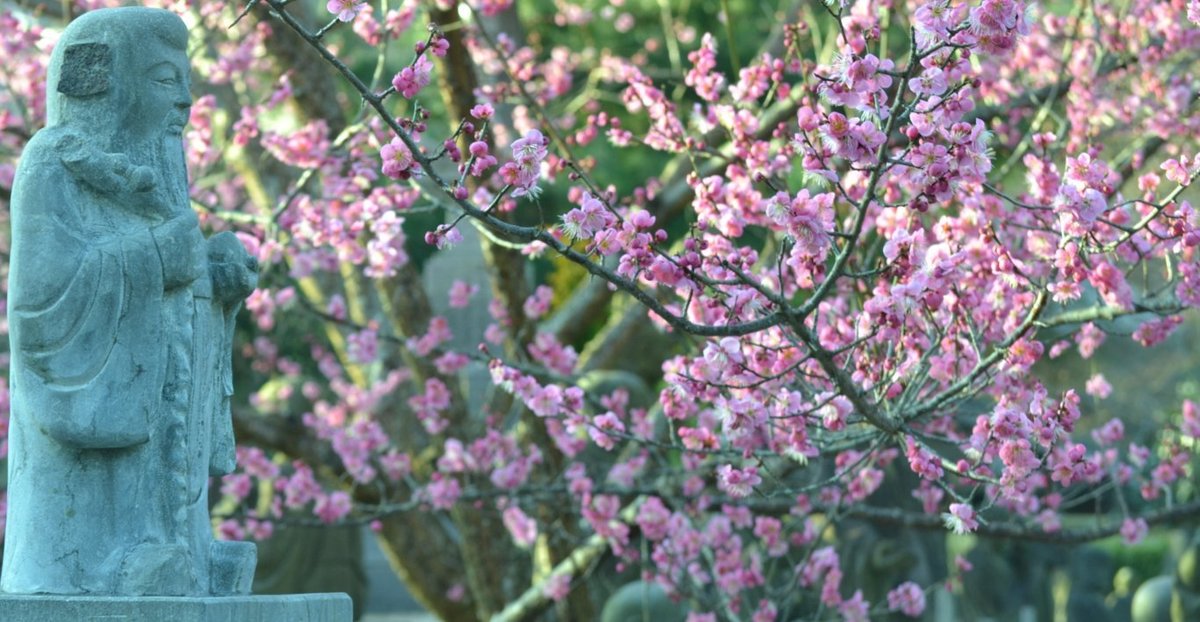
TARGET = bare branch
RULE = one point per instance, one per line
(1107, 312)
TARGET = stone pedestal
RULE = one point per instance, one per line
(291, 608)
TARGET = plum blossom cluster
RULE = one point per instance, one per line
(524, 170)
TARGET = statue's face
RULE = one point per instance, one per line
(161, 95)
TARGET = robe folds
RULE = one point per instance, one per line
(116, 388)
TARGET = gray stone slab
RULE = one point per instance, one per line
(291, 608)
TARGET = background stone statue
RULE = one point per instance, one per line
(121, 317)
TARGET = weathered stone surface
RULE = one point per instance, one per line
(294, 608)
(121, 319)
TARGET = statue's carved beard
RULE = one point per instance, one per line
(165, 157)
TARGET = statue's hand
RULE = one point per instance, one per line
(181, 247)
(234, 272)
(232, 282)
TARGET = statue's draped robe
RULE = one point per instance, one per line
(109, 361)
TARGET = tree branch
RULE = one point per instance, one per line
(1013, 531)
(1106, 312)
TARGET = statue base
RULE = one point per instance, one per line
(249, 608)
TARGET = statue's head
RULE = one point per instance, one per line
(121, 72)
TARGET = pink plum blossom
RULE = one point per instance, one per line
(346, 10)
(907, 598)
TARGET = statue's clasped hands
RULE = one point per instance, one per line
(234, 271)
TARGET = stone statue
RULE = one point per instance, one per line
(121, 317)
